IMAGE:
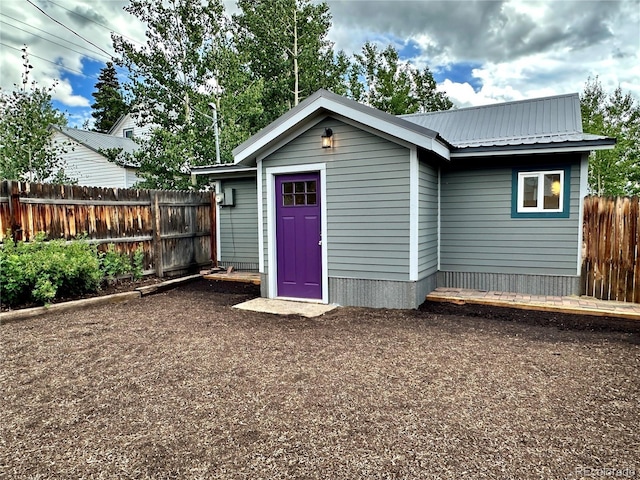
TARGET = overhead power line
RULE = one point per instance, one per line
(52, 35)
(84, 54)
(70, 29)
(106, 27)
(50, 61)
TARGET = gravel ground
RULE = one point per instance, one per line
(179, 385)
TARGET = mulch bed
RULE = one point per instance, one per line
(180, 385)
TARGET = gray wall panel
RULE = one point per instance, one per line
(479, 235)
(239, 226)
(367, 199)
(427, 219)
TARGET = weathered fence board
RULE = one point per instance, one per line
(173, 228)
(611, 268)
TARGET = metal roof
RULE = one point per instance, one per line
(100, 141)
(527, 122)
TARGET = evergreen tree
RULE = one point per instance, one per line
(109, 103)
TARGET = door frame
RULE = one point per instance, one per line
(272, 251)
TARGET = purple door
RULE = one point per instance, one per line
(298, 235)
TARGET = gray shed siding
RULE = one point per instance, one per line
(367, 200)
(239, 226)
(479, 235)
(427, 218)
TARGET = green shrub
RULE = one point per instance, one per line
(137, 266)
(39, 271)
(114, 264)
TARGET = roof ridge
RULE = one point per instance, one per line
(490, 105)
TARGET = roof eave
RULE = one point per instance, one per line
(224, 171)
(524, 149)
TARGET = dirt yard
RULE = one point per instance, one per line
(180, 385)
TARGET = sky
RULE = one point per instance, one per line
(480, 52)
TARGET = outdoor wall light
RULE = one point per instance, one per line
(326, 138)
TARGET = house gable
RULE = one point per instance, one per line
(322, 104)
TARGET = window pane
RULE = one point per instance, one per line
(552, 191)
(299, 187)
(287, 187)
(287, 200)
(530, 192)
(311, 187)
(311, 199)
(300, 199)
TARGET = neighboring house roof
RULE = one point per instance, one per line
(552, 122)
(322, 103)
(100, 141)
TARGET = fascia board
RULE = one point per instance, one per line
(529, 151)
(226, 172)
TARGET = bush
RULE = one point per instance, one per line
(114, 264)
(40, 271)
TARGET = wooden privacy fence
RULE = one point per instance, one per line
(173, 228)
(611, 267)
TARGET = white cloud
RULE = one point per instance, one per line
(64, 94)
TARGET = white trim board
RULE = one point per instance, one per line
(260, 218)
(271, 173)
(414, 217)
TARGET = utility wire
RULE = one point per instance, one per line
(93, 21)
(52, 35)
(51, 41)
(53, 63)
(71, 30)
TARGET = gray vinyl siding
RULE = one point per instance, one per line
(479, 235)
(427, 219)
(239, 226)
(367, 199)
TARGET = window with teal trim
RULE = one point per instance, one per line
(541, 193)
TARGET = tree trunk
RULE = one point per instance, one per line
(295, 58)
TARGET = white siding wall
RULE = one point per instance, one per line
(89, 168)
(129, 122)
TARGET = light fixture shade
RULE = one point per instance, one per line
(326, 138)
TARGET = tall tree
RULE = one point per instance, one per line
(25, 116)
(379, 78)
(287, 47)
(109, 103)
(186, 64)
(612, 172)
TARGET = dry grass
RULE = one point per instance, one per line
(179, 385)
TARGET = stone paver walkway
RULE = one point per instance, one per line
(573, 304)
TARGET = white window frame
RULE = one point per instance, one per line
(540, 200)
(127, 130)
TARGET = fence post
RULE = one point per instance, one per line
(14, 210)
(157, 237)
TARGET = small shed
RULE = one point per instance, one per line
(337, 202)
